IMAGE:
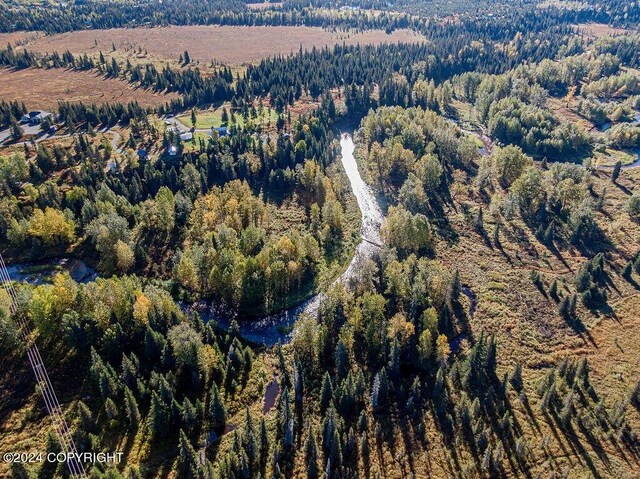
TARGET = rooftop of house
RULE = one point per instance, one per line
(36, 115)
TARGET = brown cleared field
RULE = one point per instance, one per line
(226, 44)
(597, 30)
(16, 38)
(42, 89)
(263, 5)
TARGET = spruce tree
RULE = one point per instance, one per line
(186, 458)
(635, 396)
(455, 288)
(159, 416)
(516, 377)
(335, 451)
(553, 290)
(326, 393)
(194, 118)
(438, 393)
(394, 359)
(48, 469)
(264, 445)
(415, 394)
(363, 423)
(288, 438)
(350, 449)
(548, 235)
(131, 406)
(249, 442)
(364, 449)
(111, 409)
(18, 471)
(311, 455)
(573, 305)
(16, 130)
(380, 391)
(565, 308)
(490, 361)
(601, 199)
(626, 272)
(479, 221)
(496, 234)
(582, 374)
(342, 360)
(298, 385)
(86, 417)
(285, 381)
(521, 449)
(615, 174)
(217, 411)
(284, 414)
(189, 414)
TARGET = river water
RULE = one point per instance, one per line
(635, 164)
(279, 327)
(269, 329)
(38, 273)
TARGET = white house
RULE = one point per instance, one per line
(35, 117)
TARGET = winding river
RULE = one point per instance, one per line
(278, 327)
(269, 329)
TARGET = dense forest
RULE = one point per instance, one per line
(54, 18)
(206, 210)
(487, 330)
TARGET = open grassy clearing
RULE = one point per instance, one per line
(264, 5)
(526, 320)
(609, 157)
(597, 30)
(565, 111)
(42, 89)
(226, 44)
(213, 118)
(17, 38)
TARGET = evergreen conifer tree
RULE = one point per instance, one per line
(217, 411)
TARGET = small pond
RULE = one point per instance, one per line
(270, 395)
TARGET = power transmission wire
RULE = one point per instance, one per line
(51, 402)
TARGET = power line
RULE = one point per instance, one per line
(51, 402)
